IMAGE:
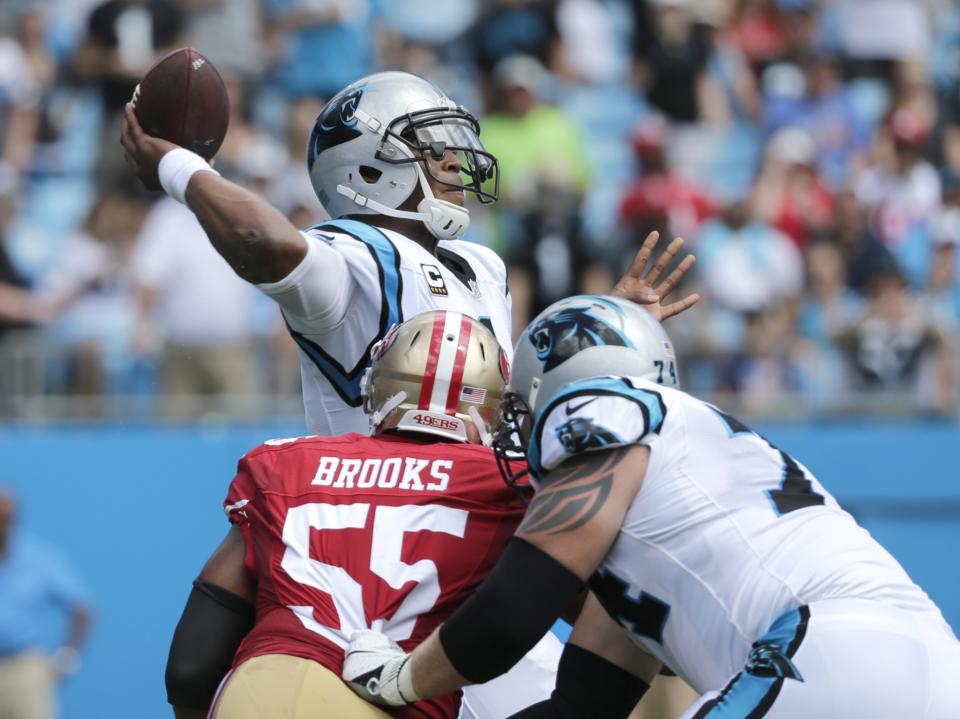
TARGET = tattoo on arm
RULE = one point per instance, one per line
(573, 495)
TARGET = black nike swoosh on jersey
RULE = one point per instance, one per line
(571, 409)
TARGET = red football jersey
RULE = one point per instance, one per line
(354, 532)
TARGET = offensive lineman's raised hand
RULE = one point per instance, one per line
(636, 287)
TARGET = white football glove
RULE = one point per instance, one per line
(377, 669)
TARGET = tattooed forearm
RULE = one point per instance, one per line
(573, 495)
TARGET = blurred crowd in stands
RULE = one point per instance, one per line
(808, 152)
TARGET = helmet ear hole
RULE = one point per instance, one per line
(370, 175)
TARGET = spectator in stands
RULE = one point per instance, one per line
(588, 39)
(671, 55)
(746, 265)
(902, 190)
(659, 198)
(535, 138)
(941, 288)
(801, 27)
(87, 294)
(32, 36)
(760, 31)
(23, 78)
(765, 373)
(809, 93)
(896, 350)
(789, 193)
(17, 308)
(827, 308)
(750, 273)
(193, 311)
(731, 68)
(249, 150)
(912, 92)
(34, 578)
(543, 177)
(857, 241)
(950, 108)
(123, 39)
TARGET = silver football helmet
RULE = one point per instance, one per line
(589, 336)
(574, 339)
(440, 373)
(369, 147)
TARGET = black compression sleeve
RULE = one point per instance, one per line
(212, 625)
(509, 612)
(588, 686)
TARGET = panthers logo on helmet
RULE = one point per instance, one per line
(560, 336)
(580, 433)
(336, 123)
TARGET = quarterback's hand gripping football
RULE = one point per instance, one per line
(378, 669)
(142, 152)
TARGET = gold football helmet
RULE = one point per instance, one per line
(440, 373)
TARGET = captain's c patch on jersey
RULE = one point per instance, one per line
(434, 280)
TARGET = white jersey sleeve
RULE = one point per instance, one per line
(593, 414)
(316, 294)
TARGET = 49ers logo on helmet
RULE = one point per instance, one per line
(429, 420)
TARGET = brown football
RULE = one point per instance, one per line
(182, 99)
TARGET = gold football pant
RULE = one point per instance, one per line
(279, 686)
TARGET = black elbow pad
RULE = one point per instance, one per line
(212, 625)
(509, 613)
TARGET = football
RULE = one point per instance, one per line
(182, 99)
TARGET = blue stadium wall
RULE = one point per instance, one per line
(137, 510)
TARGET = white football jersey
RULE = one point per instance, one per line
(393, 279)
(727, 533)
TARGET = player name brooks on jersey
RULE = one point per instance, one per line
(410, 473)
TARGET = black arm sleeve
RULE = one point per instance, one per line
(212, 625)
(509, 613)
(588, 686)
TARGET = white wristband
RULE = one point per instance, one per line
(175, 170)
(405, 683)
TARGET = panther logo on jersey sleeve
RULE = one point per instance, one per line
(568, 426)
(582, 433)
(560, 336)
